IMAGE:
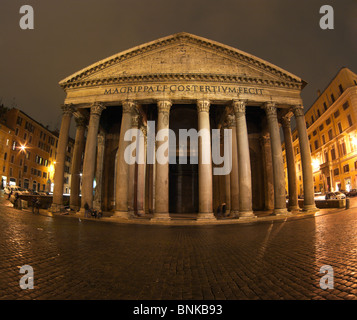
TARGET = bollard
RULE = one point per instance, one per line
(347, 203)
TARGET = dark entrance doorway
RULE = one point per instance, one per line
(183, 176)
(183, 188)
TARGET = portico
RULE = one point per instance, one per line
(183, 82)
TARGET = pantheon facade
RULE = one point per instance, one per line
(183, 81)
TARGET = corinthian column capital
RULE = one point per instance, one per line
(128, 105)
(97, 108)
(298, 111)
(270, 109)
(67, 109)
(239, 106)
(231, 120)
(164, 106)
(285, 121)
(81, 122)
(203, 105)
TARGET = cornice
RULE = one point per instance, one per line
(145, 78)
(183, 38)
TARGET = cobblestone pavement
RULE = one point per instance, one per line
(75, 259)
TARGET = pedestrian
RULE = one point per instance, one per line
(16, 200)
(33, 203)
(86, 210)
(223, 209)
(38, 204)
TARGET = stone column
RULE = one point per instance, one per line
(244, 171)
(234, 181)
(97, 205)
(141, 171)
(162, 170)
(75, 202)
(132, 182)
(277, 156)
(290, 163)
(122, 180)
(205, 209)
(90, 155)
(308, 183)
(226, 179)
(61, 157)
(268, 172)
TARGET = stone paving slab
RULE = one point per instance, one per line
(84, 259)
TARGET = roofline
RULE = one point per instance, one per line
(177, 35)
(333, 79)
(40, 124)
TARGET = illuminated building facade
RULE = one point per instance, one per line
(331, 124)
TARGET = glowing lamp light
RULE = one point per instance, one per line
(23, 148)
(315, 165)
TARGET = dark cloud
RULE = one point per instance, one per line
(70, 35)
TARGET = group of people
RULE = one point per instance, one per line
(90, 212)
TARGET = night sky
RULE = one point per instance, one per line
(72, 34)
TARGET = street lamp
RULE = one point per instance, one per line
(23, 149)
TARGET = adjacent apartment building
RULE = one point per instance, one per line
(28, 153)
(331, 124)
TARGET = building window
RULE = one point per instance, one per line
(333, 154)
(10, 172)
(336, 172)
(12, 159)
(5, 155)
(19, 121)
(336, 114)
(328, 121)
(341, 89)
(349, 119)
(314, 133)
(312, 119)
(355, 165)
(332, 98)
(345, 105)
(325, 106)
(316, 144)
(321, 127)
(339, 127)
(326, 156)
(330, 136)
(318, 113)
(346, 168)
(17, 131)
(323, 139)
(343, 148)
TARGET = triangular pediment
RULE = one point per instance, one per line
(182, 54)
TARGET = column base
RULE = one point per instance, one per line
(234, 214)
(161, 217)
(279, 212)
(294, 208)
(75, 208)
(55, 208)
(309, 208)
(247, 215)
(206, 216)
(122, 215)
